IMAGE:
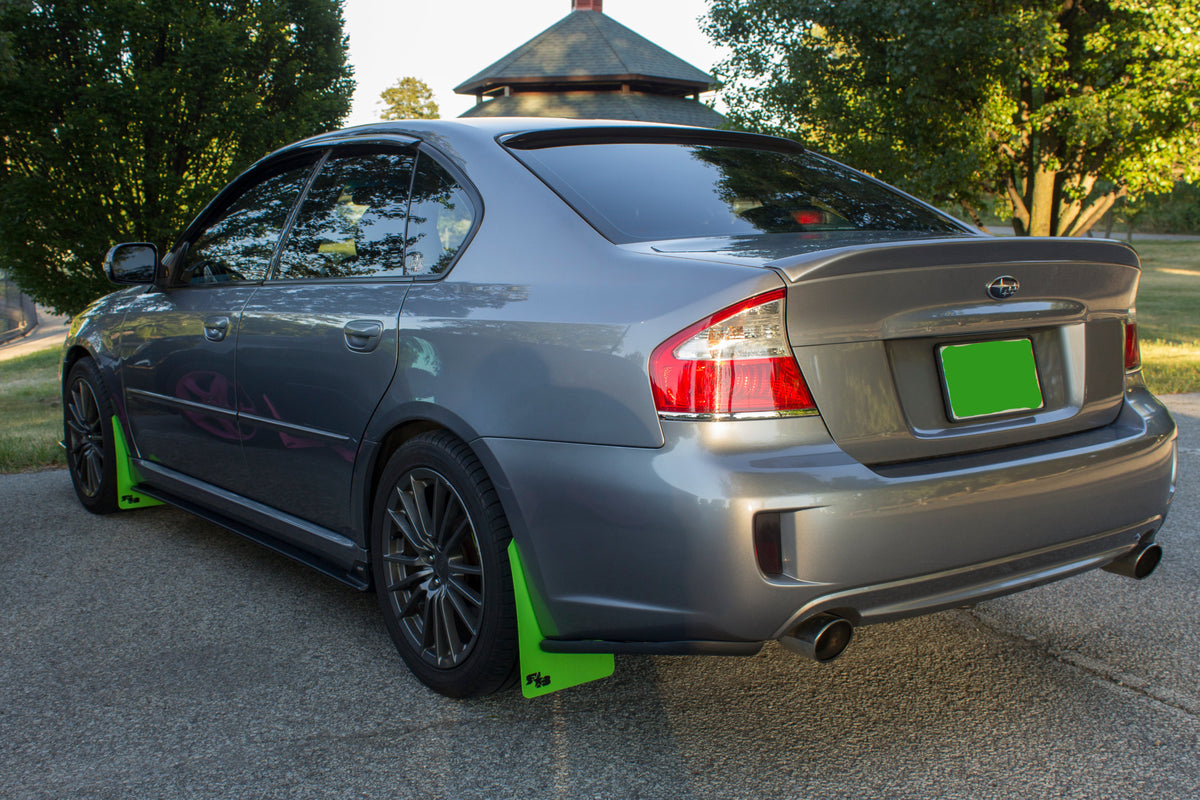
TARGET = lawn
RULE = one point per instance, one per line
(31, 408)
(1168, 321)
(1168, 314)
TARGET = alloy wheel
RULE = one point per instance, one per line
(85, 444)
(434, 574)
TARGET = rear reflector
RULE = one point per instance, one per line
(1133, 350)
(735, 363)
(768, 550)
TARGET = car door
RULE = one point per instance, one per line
(317, 344)
(179, 340)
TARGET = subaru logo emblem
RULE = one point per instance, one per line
(1003, 287)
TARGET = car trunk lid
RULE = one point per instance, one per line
(909, 356)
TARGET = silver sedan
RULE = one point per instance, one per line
(558, 390)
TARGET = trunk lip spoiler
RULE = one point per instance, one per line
(973, 251)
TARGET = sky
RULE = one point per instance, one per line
(444, 42)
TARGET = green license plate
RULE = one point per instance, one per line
(983, 379)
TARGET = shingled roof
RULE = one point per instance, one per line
(600, 105)
(586, 49)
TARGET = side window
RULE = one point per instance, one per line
(352, 222)
(438, 221)
(239, 244)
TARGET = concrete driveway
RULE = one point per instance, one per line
(152, 655)
(49, 333)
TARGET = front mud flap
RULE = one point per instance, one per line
(542, 672)
(127, 474)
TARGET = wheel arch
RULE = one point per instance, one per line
(386, 436)
(378, 449)
(74, 353)
(107, 371)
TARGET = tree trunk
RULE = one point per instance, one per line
(973, 213)
(1041, 202)
(1020, 218)
(1093, 213)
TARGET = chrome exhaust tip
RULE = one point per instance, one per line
(822, 638)
(1138, 563)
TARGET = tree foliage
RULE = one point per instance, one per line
(1177, 211)
(6, 57)
(409, 98)
(1059, 107)
(122, 118)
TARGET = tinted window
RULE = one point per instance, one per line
(645, 192)
(352, 223)
(439, 220)
(238, 246)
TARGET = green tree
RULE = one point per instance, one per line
(1059, 107)
(122, 118)
(408, 98)
(6, 58)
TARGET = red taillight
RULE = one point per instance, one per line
(1133, 351)
(738, 361)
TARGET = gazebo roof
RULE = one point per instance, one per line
(601, 105)
(587, 48)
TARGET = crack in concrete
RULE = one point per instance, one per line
(1106, 672)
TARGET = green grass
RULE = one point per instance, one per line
(31, 410)
(1168, 314)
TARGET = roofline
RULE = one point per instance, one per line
(529, 130)
(486, 85)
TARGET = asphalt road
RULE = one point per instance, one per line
(152, 655)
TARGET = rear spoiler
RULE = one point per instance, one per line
(951, 252)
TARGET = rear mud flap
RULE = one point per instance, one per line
(127, 474)
(542, 672)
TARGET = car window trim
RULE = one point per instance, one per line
(380, 144)
(473, 195)
(372, 145)
(220, 204)
(293, 215)
(320, 144)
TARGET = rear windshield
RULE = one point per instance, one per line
(636, 192)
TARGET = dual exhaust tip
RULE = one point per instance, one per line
(1138, 563)
(823, 637)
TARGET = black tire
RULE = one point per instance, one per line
(88, 435)
(439, 554)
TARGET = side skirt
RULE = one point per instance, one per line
(325, 551)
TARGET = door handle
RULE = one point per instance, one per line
(363, 335)
(216, 327)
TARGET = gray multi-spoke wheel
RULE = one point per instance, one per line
(435, 581)
(87, 433)
(441, 568)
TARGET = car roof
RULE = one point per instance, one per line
(479, 130)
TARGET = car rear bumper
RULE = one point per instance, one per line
(656, 545)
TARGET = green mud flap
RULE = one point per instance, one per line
(542, 672)
(127, 474)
